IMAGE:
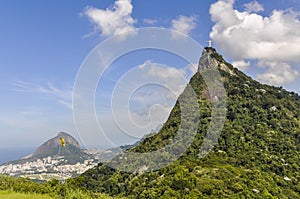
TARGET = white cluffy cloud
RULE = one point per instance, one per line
(243, 65)
(273, 40)
(143, 98)
(173, 78)
(253, 6)
(183, 24)
(159, 102)
(114, 21)
(278, 73)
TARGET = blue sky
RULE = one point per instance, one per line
(43, 44)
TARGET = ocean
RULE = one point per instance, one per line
(9, 154)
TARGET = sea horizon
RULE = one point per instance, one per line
(8, 154)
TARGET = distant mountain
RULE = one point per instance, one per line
(72, 152)
(256, 156)
(52, 146)
(53, 160)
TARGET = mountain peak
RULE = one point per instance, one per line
(51, 146)
(61, 134)
(68, 138)
(210, 59)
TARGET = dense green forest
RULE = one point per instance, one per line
(257, 155)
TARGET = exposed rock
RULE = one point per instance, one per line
(255, 190)
(262, 90)
(142, 169)
(53, 144)
(287, 178)
(206, 61)
(210, 59)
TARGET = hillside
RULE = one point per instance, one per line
(257, 154)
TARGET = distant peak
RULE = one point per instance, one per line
(68, 138)
(62, 134)
(50, 147)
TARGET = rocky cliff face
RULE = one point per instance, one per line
(54, 143)
(210, 59)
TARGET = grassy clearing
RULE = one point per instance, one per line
(20, 188)
(71, 194)
(14, 195)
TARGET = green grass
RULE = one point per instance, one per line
(70, 194)
(14, 195)
(20, 188)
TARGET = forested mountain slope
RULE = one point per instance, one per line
(257, 154)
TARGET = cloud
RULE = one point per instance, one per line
(173, 78)
(241, 64)
(143, 98)
(184, 25)
(245, 35)
(278, 73)
(114, 21)
(62, 96)
(66, 103)
(157, 102)
(253, 6)
(150, 21)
